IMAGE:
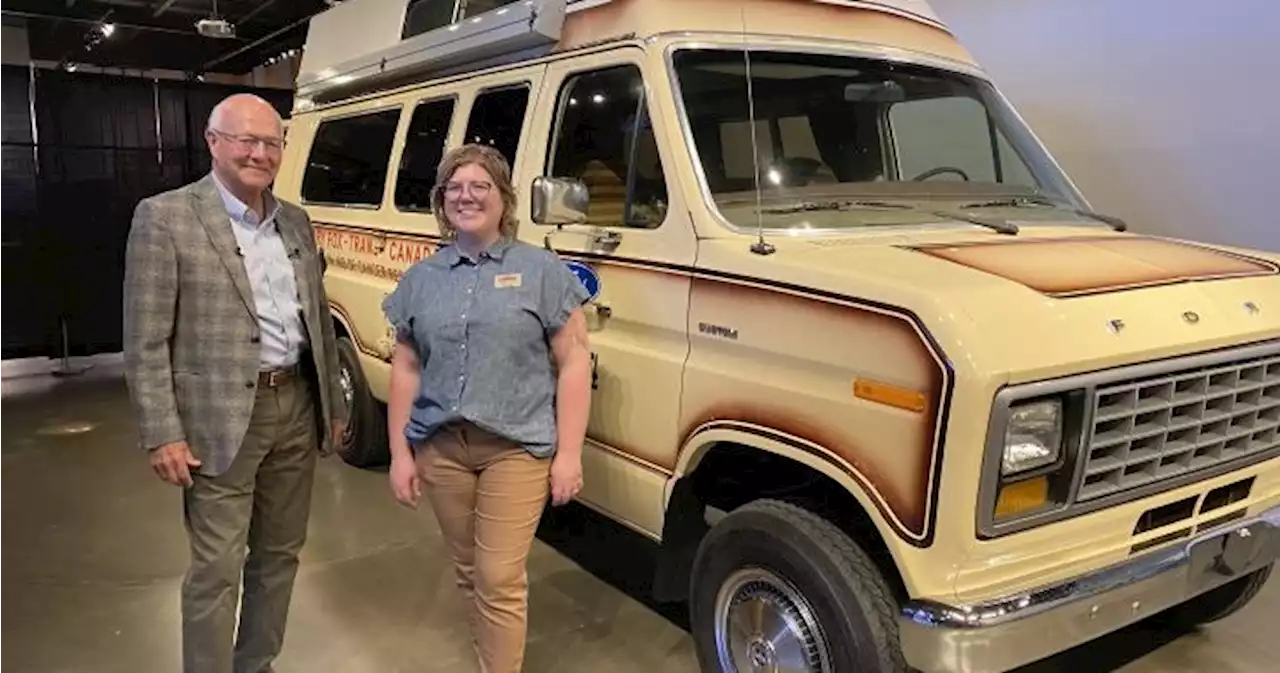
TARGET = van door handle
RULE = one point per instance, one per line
(609, 238)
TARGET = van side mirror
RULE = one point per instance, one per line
(559, 201)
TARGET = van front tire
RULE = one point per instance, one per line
(365, 442)
(776, 585)
(1216, 604)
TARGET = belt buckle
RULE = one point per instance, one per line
(272, 381)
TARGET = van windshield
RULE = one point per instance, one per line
(848, 142)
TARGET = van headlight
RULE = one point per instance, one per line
(1033, 448)
(1033, 437)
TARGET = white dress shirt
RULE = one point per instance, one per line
(270, 268)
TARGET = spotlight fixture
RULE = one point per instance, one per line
(219, 29)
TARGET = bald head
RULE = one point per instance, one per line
(232, 110)
(246, 139)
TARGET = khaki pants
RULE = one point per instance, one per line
(488, 495)
(263, 502)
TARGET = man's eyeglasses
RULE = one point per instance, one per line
(248, 143)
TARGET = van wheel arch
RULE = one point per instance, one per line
(719, 478)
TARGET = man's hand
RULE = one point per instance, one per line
(172, 463)
(566, 477)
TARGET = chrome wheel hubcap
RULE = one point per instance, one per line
(764, 625)
(348, 387)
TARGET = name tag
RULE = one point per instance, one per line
(507, 280)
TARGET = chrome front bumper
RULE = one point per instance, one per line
(1003, 634)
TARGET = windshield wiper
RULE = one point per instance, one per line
(1020, 201)
(1001, 226)
(811, 206)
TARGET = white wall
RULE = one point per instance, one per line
(1164, 112)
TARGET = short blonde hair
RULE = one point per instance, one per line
(492, 161)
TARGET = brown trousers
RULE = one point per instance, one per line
(488, 495)
(263, 502)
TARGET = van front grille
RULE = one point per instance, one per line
(1165, 425)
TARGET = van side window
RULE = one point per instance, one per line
(423, 149)
(421, 16)
(497, 118)
(348, 161)
(603, 137)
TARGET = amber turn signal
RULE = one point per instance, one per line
(889, 394)
(1022, 496)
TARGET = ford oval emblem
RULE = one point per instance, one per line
(1191, 317)
(587, 276)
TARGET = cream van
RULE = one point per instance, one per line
(883, 388)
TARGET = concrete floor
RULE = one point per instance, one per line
(93, 553)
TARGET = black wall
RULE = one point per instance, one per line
(69, 193)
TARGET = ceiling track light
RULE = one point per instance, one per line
(282, 56)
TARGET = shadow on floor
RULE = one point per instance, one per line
(619, 557)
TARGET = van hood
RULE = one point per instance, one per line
(1048, 301)
(1073, 266)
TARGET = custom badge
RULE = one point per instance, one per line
(587, 276)
(507, 280)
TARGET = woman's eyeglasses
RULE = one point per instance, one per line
(478, 190)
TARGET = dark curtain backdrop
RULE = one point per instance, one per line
(25, 321)
(101, 144)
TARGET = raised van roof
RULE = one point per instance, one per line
(361, 46)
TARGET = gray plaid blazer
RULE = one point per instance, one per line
(191, 348)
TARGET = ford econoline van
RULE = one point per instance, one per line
(884, 388)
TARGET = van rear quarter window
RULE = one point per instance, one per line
(497, 119)
(347, 165)
(423, 149)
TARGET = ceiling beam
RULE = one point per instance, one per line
(256, 10)
(95, 22)
(148, 6)
(164, 7)
(232, 54)
(132, 12)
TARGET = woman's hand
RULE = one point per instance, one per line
(573, 404)
(566, 477)
(405, 482)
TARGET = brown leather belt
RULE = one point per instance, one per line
(274, 378)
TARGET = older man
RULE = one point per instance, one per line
(231, 364)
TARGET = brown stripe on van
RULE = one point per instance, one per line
(858, 462)
(791, 362)
(360, 344)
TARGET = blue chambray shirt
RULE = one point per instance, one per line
(482, 330)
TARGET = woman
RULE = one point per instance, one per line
(490, 389)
